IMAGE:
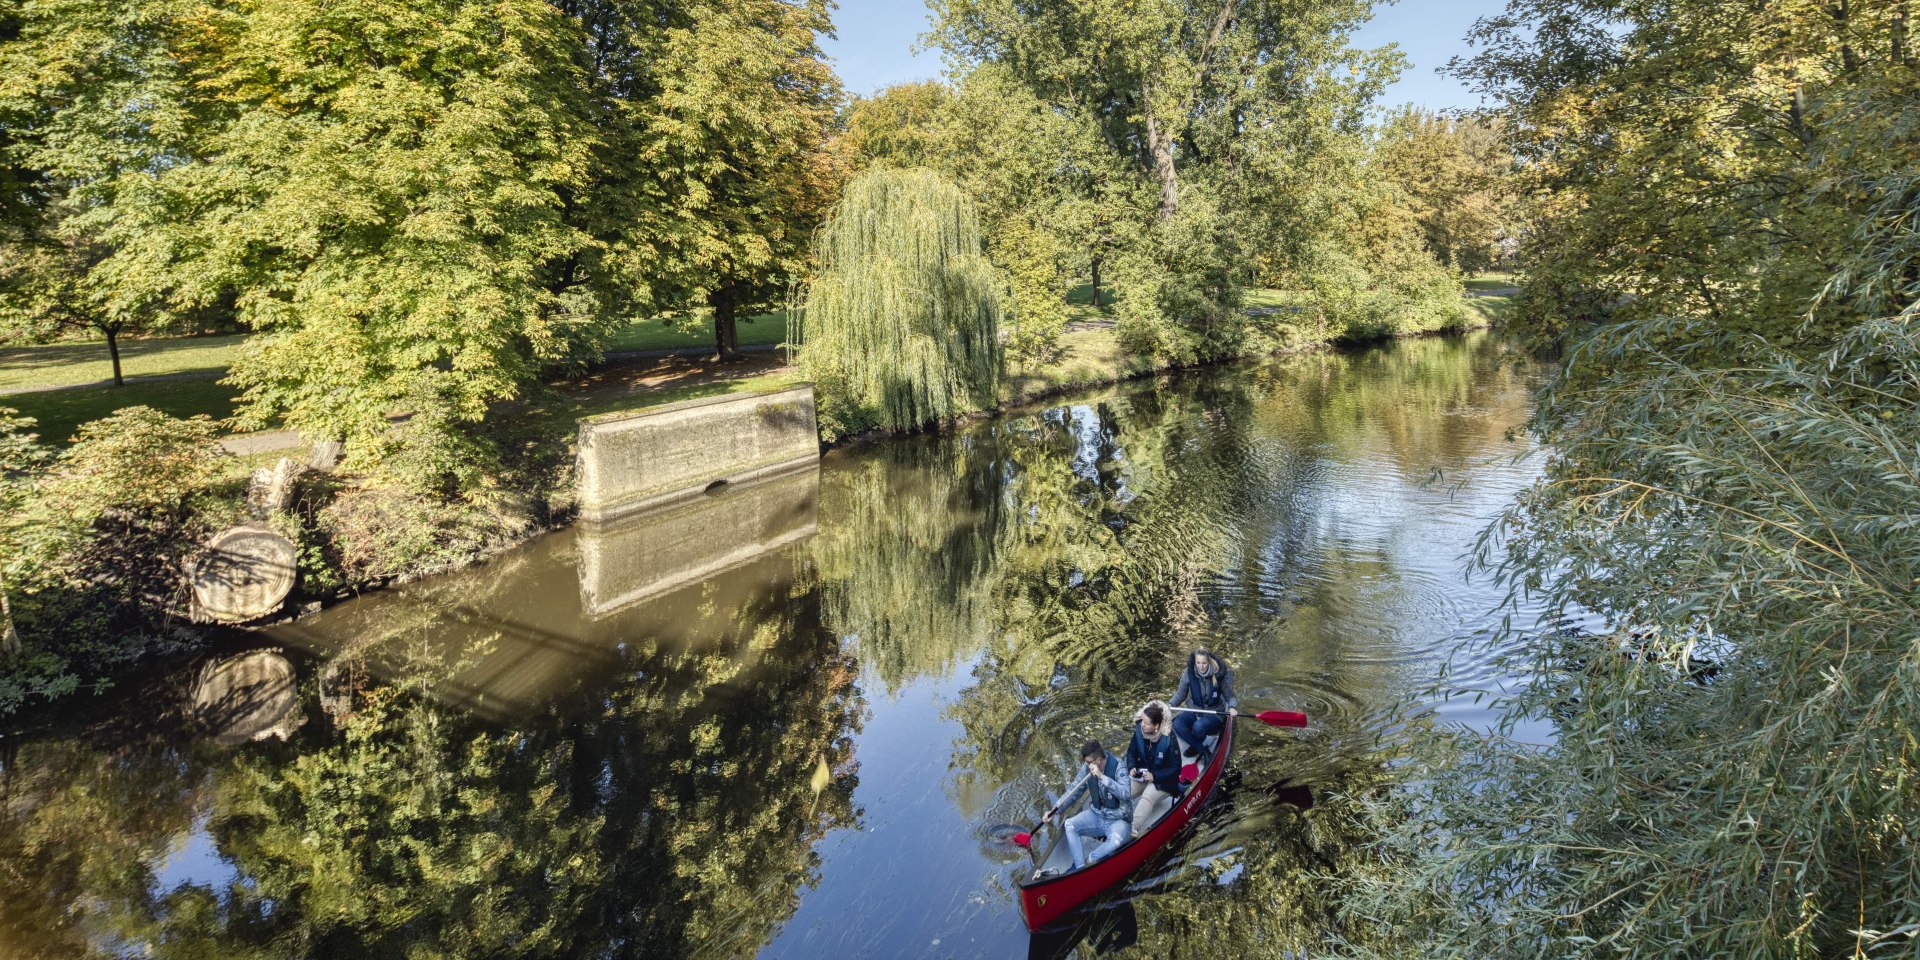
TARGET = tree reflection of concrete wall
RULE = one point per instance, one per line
(664, 811)
(541, 620)
(639, 557)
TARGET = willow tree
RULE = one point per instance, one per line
(903, 321)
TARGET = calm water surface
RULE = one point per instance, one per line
(786, 720)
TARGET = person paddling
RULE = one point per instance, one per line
(1109, 808)
(1207, 685)
(1153, 763)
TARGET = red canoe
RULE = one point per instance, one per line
(1046, 900)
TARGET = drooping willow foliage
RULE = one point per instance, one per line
(1734, 771)
(902, 323)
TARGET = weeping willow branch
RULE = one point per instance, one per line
(901, 327)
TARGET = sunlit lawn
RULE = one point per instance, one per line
(73, 362)
(60, 412)
(1492, 281)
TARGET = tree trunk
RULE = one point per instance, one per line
(113, 348)
(1096, 283)
(726, 335)
(1160, 144)
(1900, 34)
(9, 637)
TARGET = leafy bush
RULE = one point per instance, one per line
(1183, 302)
(94, 544)
(379, 533)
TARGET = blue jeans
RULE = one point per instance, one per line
(1195, 728)
(1089, 823)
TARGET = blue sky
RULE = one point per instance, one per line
(876, 38)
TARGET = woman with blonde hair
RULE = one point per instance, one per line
(1153, 763)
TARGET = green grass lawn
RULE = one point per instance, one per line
(60, 412)
(761, 328)
(64, 364)
(55, 364)
(1491, 281)
(1489, 310)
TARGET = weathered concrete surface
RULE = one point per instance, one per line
(649, 553)
(248, 697)
(245, 573)
(629, 462)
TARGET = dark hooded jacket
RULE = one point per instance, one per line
(1161, 759)
(1211, 692)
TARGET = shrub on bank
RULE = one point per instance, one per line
(96, 542)
(93, 549)
(375, 534)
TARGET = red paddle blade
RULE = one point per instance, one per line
(1023, 839)
(1190, 773)
(1282, 718)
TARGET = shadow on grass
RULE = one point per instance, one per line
(60, 412)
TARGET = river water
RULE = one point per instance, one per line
(797, 718)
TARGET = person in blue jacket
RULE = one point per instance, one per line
(1109, 807)
(1153, 763)
(1207, 685)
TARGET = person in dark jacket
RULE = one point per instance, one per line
(1109, 807)
(1153, 763)
(1207, 685)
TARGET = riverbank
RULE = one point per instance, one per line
(357, 536)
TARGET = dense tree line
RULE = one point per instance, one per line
(418, 206)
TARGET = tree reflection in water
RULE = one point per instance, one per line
(544, 757)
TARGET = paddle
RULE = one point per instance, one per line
(1025, 837)
(1272, 718)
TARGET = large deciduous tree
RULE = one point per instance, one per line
(738, 135)
(92, 107)
(1186, 101)
(387, 187)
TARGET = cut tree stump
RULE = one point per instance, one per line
(245, 574)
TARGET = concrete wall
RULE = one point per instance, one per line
(650, 553)
(629, 462)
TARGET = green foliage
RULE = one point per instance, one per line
(1030, 258)
(378, 534)
(92, 104)
(94, 543)
(902, 322)
(1700, 159)
(738, 133)
(1749, 531)
(1454, 172)
(1183, 302)
(420, 206)
(1731, 496)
